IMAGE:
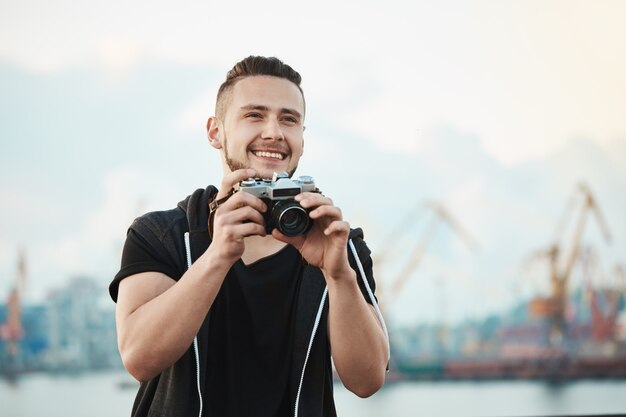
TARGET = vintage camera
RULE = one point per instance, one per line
(283, 212)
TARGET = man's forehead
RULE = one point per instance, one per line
(267, 91)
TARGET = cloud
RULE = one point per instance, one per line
(93, 246)
(118, 58)
(524, 77)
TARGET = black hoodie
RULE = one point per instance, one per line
(174, 392)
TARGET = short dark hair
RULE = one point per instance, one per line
(251, 66)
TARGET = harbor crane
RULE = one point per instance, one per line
(11, 330)
(561, 263)
(605, 302)
(440, 216)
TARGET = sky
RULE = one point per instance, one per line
(494, 110)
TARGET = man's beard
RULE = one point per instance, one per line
(234, 164)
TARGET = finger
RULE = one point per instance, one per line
(309, 199)
(233, 178)
(241, 215)
(251, 229)
(242, 199)
(245, 214)
(339, 227)
(238, 231)
(331, 212)
(228, 220)
(295, 241)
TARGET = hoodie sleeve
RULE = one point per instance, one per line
(149, 247)
(366, 260)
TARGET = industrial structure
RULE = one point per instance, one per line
(71, 331)
(562, 261)
(11, 331)
(389, 291)
(572, 332)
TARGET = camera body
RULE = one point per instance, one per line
(283, 212)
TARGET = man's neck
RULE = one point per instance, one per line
(258, 247)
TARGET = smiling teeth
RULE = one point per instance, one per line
(269, 155)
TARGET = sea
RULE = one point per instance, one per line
(111, 393)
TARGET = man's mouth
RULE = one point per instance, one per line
(266, 154)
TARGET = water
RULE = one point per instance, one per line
(100, 395)
(487, 399)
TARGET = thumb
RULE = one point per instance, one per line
(296, 241)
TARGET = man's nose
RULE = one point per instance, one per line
(272, 129)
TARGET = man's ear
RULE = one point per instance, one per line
(214, 132)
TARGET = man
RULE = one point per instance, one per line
(216, 316)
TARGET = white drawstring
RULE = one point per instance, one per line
(319, 315)
(308, 351)
(195, 339)
(371, 295)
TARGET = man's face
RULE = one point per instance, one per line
(263, 126)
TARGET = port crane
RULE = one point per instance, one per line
(605, 303)
(11, 330)
(440, 216)
(561, 263)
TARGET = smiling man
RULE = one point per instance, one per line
(266, 135)
(219, 316)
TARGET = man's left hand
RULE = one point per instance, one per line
(325, 245)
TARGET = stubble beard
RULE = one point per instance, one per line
(234, 164)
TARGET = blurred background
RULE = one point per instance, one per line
(480, 144)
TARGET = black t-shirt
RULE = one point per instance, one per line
(250, 329)
(252, 319)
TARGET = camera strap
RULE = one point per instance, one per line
(214, 205)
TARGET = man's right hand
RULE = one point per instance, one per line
(148, 302)
(240, 216)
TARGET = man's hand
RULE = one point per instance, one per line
(359, 352)
(324, 245)
(240, 216)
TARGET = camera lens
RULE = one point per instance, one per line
(290, 218)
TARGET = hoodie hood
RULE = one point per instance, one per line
(196, 208)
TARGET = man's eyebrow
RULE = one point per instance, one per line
(261, 107)
(255, 107)
(292, 111)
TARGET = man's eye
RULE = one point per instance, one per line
(290, 119)
(254, 115)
